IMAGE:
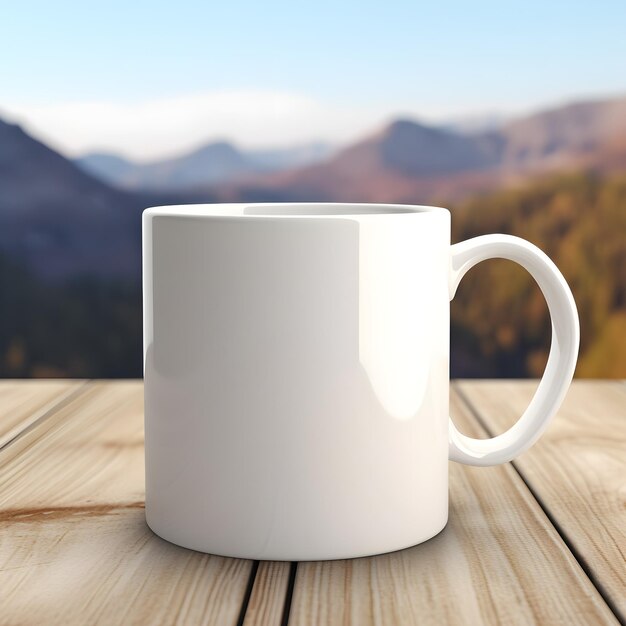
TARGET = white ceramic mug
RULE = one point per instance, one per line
(297, 380)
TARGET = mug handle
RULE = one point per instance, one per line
(563, 349)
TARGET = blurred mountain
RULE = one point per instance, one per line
(584, 134)
(411, 149)
(410, 162)
(289, 158)
(108, 167)
(61, 221)
(403, 162)
(406, 161)
(477, 123)
(216, 162)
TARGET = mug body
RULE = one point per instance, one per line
(296, 377)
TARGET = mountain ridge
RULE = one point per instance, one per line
(213, 162)
(407, 161)
(402, 161)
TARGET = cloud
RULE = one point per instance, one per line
(155, 128)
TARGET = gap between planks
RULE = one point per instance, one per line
(34, 421)
(271, 593)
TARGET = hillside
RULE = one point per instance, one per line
(60, 221)
(500, 323)
(584, 134)
(57, 218)
(83, 327)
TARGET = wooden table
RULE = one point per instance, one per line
(540, 541)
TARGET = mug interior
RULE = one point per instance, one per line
(327, 209)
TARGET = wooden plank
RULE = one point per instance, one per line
(267, 601)
(74, 546)
(499, 561)
(577, 469)
(23, 402)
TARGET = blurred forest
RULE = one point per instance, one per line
(91, 326)
(500, 321)
(87, 327)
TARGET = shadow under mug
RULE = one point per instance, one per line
(296, 362)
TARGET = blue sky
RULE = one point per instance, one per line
(85, 74)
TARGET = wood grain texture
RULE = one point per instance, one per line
(23, 402)
(499, 561)
(267, 601)
(74, 546)
(577, 469)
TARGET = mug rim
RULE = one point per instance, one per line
(290, 210)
